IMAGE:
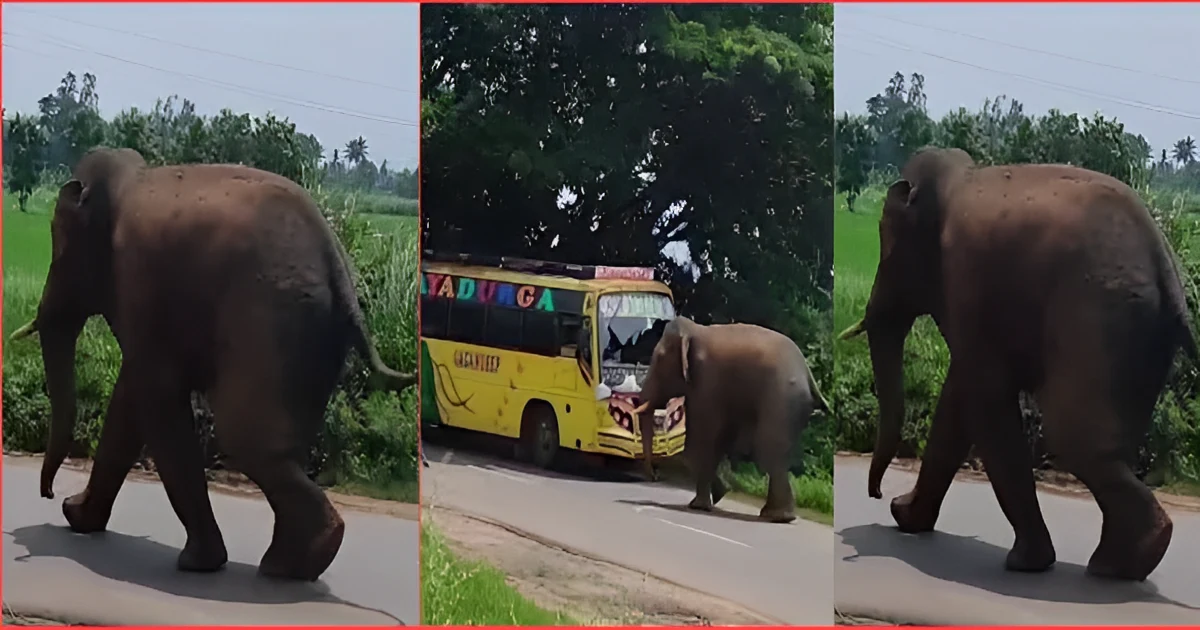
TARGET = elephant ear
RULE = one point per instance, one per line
(897, 215)
(900, 196)
(71, 198)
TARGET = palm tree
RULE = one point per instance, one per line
(356, 150)
(1185, 151)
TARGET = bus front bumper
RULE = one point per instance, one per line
(621, 443)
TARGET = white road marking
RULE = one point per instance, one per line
(701, 531)
(497, 472)
(642, 508)
(447, 456)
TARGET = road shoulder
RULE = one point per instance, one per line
(591, 590)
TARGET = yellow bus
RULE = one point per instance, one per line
(549, 354)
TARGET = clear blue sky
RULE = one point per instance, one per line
(375, 45)
(872, 42)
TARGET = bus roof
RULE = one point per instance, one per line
(547, 274)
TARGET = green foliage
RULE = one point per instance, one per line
(600, 134)
(1000, 132)
(369, 440)
(457, 592)
(871, 147)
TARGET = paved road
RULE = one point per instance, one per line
(956, 576)
(781, 571)
(127, 575)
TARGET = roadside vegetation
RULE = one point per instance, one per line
(458, 592)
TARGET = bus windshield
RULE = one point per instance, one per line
(630, 326)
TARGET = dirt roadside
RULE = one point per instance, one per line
(1052, 481)
(592, 591)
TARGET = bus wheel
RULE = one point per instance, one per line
(539, 434)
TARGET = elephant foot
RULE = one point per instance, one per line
(701, 504)
(82, 517)
(909, 518)
(202, 556)
(1133, 562)
(311, 562)
(718, 492)
(1029, 557)
(777, 515)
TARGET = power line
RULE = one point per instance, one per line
(218, 52)
(1136, 104)
(230, 86)
(1039, 51)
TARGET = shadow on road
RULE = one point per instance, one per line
(675, 507)
(972, 562)
(144, 562)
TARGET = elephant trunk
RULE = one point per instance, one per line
(58, 355)
(646, 424)
(887, 361)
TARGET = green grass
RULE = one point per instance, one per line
(457, 592)
(370, 436)
(814, 495)
(374, 202)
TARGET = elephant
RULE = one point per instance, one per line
(218, 279)
(1043, 279)
(746, 388)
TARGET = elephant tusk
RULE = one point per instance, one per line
(24, 331)
(853, 331)
(641, 409)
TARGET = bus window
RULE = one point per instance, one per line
(540, 334)
(503, 328)
(466, 322)
(568, 334)
(585, 347)
(434, 313)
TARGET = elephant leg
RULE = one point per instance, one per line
(266, 441)
(120, 444)
(949, 442)
(702, 460)
(719, 489)
(179, 459)
(995, 416)
(772, 448)
(308, 530)
(1136, 530)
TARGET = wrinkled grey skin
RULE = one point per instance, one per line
(747, 390)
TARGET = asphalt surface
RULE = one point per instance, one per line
(127, 575)
(783, 572)
(955, 575)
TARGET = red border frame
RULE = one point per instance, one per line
(420, 233)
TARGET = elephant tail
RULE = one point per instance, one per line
(344, 281)
(819, 402)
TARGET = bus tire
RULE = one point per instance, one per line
(539, 435)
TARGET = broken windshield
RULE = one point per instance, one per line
(630, 326)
